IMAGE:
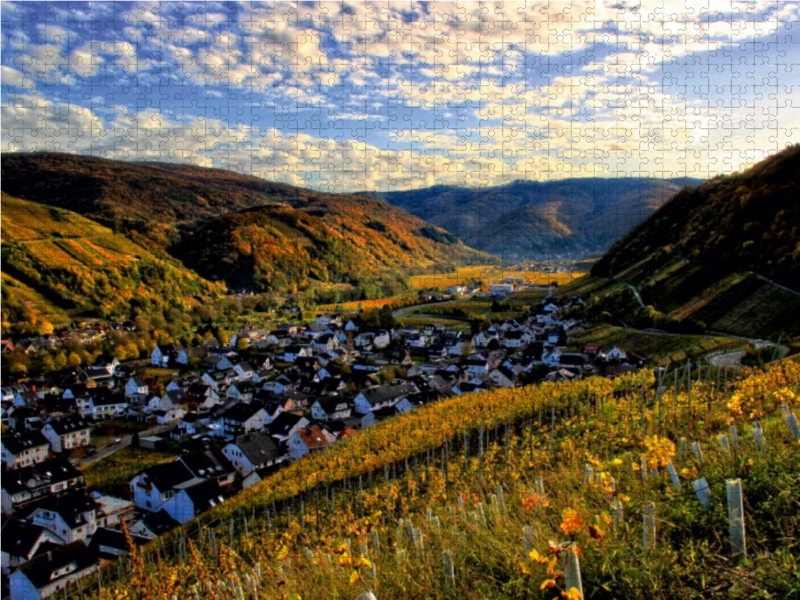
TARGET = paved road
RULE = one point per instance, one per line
(400, 312)
(730, 359)
(126, 441)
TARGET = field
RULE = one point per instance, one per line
(461, 276)
(552, 490)
(112, 474)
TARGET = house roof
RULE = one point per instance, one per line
(55, 470)
(385, 393)
(66, 425)
(168, 475)
(283, 423)
(139, 381)
(39, 570)
(207, 464)
(110, 400)
(385, 412)
(313, 437)
(258, 447)
(241, 412)
(205, 495)
(113, 539)
(19, 537)
(18, 442)
(69, 506)
(159, 522)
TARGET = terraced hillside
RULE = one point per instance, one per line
(724, 256)
(580, 489)
(59, 265)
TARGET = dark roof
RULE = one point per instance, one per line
(55, 470)
(283, 423)
(258, 447)
(159, 522)
(205, 495)
(330, 405)
(170, 348)
(19, 537)
(207, 464)
(39, 570)
(168, 475)
(385, 412)
(69, 424)
(110, 400)
(265, 471)
(384, 393)
(114, 539)
(70, 506)
(240, 412)
(23, 440)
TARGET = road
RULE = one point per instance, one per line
(126, 441)
(730, 359)
(400, 312)
(635, 293)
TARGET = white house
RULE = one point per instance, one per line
(24, 448)
(308, 439)
(382, 395)
(191, 501)
(47, 573)
(616, 353)
(241, 418)
(165, 354)
(136, 387)
(67, 433)
(252, 451)
(21, 540)
(154, 486)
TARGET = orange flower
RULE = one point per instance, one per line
(570, 521)
(547, 584)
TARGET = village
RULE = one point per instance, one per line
(262, 401)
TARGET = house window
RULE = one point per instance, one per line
(148, 504)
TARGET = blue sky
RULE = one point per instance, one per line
(347, 96)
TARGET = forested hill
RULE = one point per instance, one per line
(237, 228)
(745, 222)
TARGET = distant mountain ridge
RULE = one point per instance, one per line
(532, 219)
(276, 236)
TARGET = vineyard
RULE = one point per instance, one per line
(675, 484)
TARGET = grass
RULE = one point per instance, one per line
(489, 504)
(111, 475)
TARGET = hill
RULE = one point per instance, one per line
(534, 219)
(725, 254)
(275, 235)
(58, 265)
(335, 239)
(511, 493)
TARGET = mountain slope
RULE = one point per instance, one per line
(57, 263)
(186, 209)
(750, 221)
(709, 254)
(533, 219)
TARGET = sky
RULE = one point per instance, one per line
(381, 96)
